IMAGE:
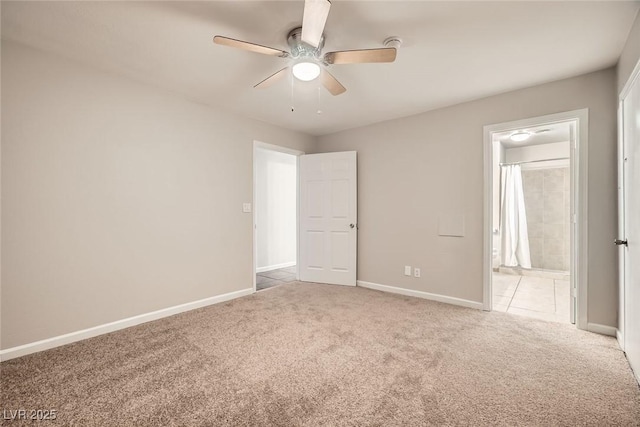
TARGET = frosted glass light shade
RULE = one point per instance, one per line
(306, 71)
(520, 136)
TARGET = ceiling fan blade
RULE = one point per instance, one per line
(387, 54)
(331, 83)
(277, 76)
(252, 47)
(313, 20)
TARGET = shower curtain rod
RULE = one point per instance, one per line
(535, 161)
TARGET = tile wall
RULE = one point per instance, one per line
(546, 198)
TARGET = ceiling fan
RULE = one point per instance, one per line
(306, 45)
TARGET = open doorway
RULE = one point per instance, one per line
(275, 215)
(534, 216)
(531, 234)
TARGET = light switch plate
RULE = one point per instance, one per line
(407, 270)
(246, 207)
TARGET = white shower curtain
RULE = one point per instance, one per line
(513, 220)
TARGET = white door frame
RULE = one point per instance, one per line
(286, 150)
(621, 230)
(579, 184)
(635, 74)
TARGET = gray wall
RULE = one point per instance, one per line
(118, 199)
(414, 170)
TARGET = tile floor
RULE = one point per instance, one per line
(269, 279)
(538, 297)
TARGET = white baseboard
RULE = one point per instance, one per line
(421, 294)
(46, 344)
(620, 339)
(275, 267)
(602, 329)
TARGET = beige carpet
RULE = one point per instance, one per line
(306, 354)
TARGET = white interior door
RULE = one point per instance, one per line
(328, 218)
(629, 242)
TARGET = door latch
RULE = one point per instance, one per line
(621, 242)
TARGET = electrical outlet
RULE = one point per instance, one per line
(246, 207)
(407, 270)
(416, 272)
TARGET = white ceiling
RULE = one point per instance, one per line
(452, 52)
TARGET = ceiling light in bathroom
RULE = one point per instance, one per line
(520, 136)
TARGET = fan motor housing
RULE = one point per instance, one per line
(300, 49)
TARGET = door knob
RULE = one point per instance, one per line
(352, 225)
(621, 242)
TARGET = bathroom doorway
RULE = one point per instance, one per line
(533, 229)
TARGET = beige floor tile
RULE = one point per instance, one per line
(532, 293)
(505, 278)
(563, 317)
(538, 297)
(535, 284)
(562, 306)
(535, 293)
(504, 284)
(531, 313)
(540, 303)
(504, 291)
(503, 288)
(528, 292)
(560, 275)
(563, 299)
(501, 300)
(500, 307)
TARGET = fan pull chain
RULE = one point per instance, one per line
(292, 99)
(319, 111)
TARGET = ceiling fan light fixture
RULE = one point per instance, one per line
(306, 71)
(520, 136)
